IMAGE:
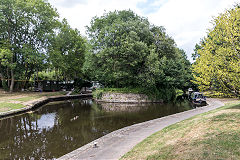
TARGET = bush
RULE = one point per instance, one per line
(97, 94)
(4, 85)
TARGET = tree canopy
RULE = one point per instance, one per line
(128, 51)
(25, 28)
(32, 40)
(67, 51)
(218, 64)
(122, 49)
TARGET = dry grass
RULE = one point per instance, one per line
(213, 135)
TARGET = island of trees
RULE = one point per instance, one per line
(121, 50)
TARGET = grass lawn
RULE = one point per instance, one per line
(17, 100)
(4, 107)
(39, 95)
(208, 136)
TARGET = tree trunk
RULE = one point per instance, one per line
(12, 81)
(8, 78)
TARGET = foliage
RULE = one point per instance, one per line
(33, 43)
(4, 85)
(67, 51)
(129, 52)
(47, 75)
(217, 66)
(26, 26)
(97, 94)
(218, 94)
(179, 92)
(5, 57)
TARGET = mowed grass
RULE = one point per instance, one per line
(17, 100)
(39, 95)
(4, 107)
(212, 135)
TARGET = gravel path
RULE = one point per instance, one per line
(115, 144)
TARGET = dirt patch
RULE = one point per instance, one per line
(33, 101)
(4, 109)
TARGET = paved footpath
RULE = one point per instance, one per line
(115, 144)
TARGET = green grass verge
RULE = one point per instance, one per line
(28, 98)
(211, 135)
(4, 107)
(32, 97)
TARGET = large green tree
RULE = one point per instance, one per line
(218, 64)
(128, 51)
(119, 43)
(67, 51)
(25, 28)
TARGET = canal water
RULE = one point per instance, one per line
(60, 127)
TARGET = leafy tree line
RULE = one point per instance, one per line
(123, 50)
(128, 51)
(32, 39)
(217, 65)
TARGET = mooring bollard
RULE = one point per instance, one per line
(95, 145)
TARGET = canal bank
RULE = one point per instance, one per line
(117, 143)
(34, 104)
(115, 97)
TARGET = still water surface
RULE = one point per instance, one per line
(60, 127)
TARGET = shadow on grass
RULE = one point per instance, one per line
(222, 146)
(235, 107)
(227, 117)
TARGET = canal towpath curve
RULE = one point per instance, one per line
(115, 144)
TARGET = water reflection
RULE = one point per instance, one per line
(61, 127)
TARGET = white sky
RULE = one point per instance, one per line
(186, 21)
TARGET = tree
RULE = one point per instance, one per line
(25, 27)
(127, 51)
(5, 61)
(67, 51)
(217, 67)
(119, 42)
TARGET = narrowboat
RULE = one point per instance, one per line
(198, 98)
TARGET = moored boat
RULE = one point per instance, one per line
(198, 98)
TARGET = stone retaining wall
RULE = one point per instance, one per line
(124, 107)
(126, 98)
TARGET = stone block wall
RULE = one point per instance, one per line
(125, 98)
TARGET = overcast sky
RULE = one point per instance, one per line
(186, 21)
